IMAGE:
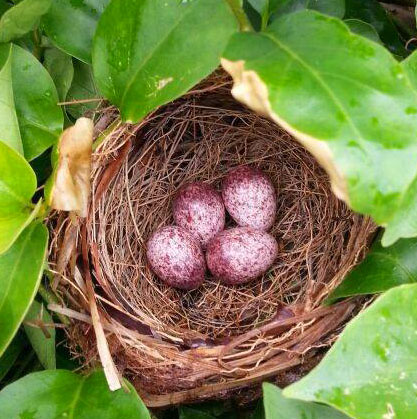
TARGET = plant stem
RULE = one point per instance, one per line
(240, 14)
(37, 48)
(51, 298)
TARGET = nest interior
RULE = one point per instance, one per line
(178, 345)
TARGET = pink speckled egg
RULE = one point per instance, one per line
(240, 254)
(250, 198)
(199, 208)
(176, 257)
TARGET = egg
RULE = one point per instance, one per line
(250, 198)
(176, 257)
(241, 254)
(199, 208)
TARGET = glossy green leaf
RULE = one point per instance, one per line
(64, 394)
(279, 407)
(372, 12)
(71, 25)
(10, 356)
(60, 68)
(21, 269)
(83, 87)
(148, 52)
(382, 269)
(364, 29)
(371, 370)
(39, 116)
(354, 109)
(22, 18)
(9, 126)
(329, 7)
(17, 186)
(43, 345)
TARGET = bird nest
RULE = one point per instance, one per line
(179, 346)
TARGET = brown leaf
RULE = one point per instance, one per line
(70, 190)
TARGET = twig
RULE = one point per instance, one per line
(76, 102)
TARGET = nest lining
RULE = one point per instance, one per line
(174, 341)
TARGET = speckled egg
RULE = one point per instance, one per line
(240, 254)
(250, 198)
(176, 257)
(199, 208)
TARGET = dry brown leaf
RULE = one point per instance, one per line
(71, 185)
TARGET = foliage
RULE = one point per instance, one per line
(40, 334)
(372, 12)
(276, 406)
(335, 73)
(21, 18)
(20, 273)
(70, 25)
(83, 87)
(134, 75)
(322, 101)
(373, 360)
(61, 393)
(17, 185)
(383, 268)
(39, 117)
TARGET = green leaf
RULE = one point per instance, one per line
(40, 118)
(372, 12)
(371, 370)
(43, 345)
(144, 54)
(20, 273)
(278, 407)
(22, 18)
(329, 7)
(83, 87)
(60, 68)
(64, 394)
(71, 25)
(10, 356)
(383, 268)
(17, 186)
(354, 109)
(9, 126)
(364, 29)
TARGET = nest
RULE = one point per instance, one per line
(180, 346)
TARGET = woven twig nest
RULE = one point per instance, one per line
(180, 346)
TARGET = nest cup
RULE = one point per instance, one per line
(181, 346)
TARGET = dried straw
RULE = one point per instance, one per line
(181, 346)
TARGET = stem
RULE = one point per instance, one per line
(51, 298)
(264, 22)
(240, 14)
(37, 49)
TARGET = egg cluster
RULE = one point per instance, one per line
(234, 256)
